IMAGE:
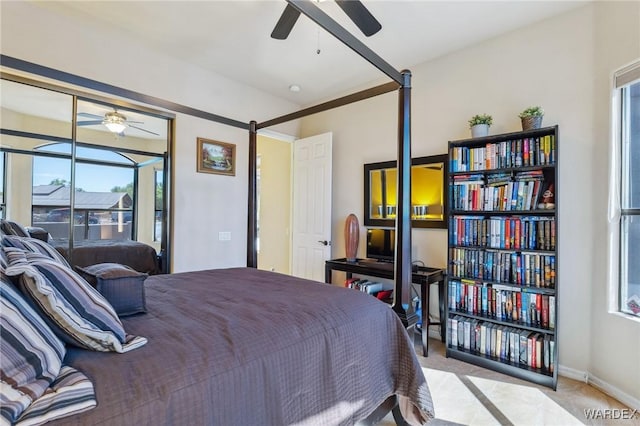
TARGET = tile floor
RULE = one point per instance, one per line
(470, 395)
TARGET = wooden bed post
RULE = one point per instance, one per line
(403, 276)
(252, 220)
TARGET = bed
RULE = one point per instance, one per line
(242, 346)
(139, 256)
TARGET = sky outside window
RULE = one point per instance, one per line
(89, 177)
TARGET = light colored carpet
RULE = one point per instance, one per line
(466, 394)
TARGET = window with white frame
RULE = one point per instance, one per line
(627, 82)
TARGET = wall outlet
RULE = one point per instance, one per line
(224, 236)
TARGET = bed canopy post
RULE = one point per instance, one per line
(252, 220)
(403, 274)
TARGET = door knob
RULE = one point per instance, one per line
(324, 242)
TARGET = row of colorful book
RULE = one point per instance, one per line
(502, 303)
(519, 347)
(518, 268)
(380, 290)
(473, 193)
(517, 232)
(536, 151)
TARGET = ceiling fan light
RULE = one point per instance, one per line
(115, 122)
(115, 127)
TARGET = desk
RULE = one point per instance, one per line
(424, 276)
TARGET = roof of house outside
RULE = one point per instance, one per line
(45, 189)
(58, 196)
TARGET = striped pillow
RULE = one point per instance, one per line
(18, 229)
(71, 393)
(34, 245)
(3, 260)
(76, 311)
(30, 355)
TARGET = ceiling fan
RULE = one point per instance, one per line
(114, 121)
(354, 9)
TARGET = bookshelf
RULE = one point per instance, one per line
(502, 273)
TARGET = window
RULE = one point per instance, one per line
(627, 105)
(159, 197)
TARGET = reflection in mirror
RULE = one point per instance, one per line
(428, 196)
(104, 124)
(116, 190)
(382, 193)
(32, 109)
(50, 199)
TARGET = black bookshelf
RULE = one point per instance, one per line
(502, 277)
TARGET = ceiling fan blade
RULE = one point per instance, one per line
(87, 115)
(360, 16)
(89, 123)
(144, 130)
(285, 23)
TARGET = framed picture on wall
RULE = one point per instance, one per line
(216, 157)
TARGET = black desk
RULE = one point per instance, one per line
(424, 277)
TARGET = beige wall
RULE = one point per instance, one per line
(275, 204)
(563, 64)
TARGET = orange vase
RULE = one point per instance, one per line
(351, 237)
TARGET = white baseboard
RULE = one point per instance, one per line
(616, 393)
(612, 391)
(572, 373)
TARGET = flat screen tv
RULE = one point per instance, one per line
(381, 244)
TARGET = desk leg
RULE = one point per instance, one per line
(424, 302)
(327, 274)
(443, 321)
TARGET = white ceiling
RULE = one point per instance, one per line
(232, 38)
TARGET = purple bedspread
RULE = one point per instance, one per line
(247, 347)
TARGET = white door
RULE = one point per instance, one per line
(311, 240)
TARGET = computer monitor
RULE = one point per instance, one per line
(381, 244)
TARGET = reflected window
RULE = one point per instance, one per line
(103, 194)
(85, 153)
(50, 199)
(159, 203)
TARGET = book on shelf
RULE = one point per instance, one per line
(545, 351)
(503, 342)
(552, 312)
(519, 152)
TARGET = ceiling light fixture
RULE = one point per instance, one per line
(115, 122)
(294, 88)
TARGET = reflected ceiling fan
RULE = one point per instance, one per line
(114, 121)
(354, 9)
